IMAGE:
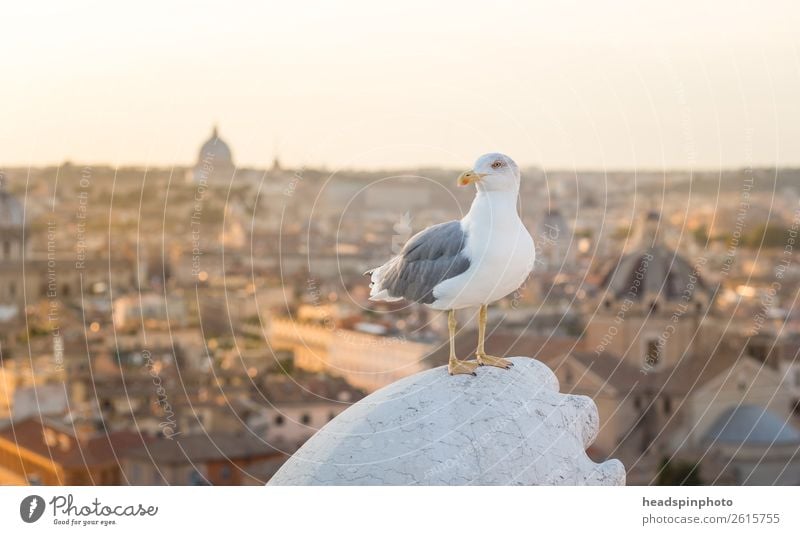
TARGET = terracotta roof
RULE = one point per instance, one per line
(307, 387)
(690, 373)
(263, 471)
(68, 450)
(611, 369)
(203, 447)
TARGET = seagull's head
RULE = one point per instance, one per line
(492, 172)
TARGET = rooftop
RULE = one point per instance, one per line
(752, 425)
(60, 443)
(202, 448)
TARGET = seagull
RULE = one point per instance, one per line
(473, 262)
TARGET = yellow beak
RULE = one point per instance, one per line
(469, 177)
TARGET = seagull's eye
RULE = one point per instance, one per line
(497, 165)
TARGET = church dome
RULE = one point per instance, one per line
(750, 424)
(652, 269)
(215, 152)
(12, 214)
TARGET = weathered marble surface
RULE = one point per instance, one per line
(499, 428)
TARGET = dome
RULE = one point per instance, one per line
(750, 424)
(654, 269)
(215, 151)
(12, 214)
(659, 271)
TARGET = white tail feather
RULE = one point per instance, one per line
(376, 290)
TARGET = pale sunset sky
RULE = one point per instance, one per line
(679, 84)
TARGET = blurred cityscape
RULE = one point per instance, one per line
(196, 325)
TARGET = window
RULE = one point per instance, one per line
(652, 355)
(279, 420)
(741, 383)
(225, 473)
(646, 441)
(306, 419)
(135, 473)
(50, 437)
(6, 249)
(12, 289)
(196, 479)
(667, 405)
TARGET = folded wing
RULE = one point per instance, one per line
(430, 257)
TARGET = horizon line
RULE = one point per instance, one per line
(377, 169)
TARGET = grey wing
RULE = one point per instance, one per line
(430, 257)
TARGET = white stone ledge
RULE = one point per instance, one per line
(503, 427)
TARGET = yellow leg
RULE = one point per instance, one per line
(455, 366)
(481, 356)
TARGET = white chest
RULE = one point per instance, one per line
(501, 260)
(501, 253)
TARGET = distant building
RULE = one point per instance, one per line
(751, 445)
(199, 459)
(46, 452)
(40, 400)
(651, 304)
(53, 275)
(299, 406)
(214, 161)
(23, 379)
(150, 307)
(340, 352)
(555, 250)
(666, 372)
(12, 232)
